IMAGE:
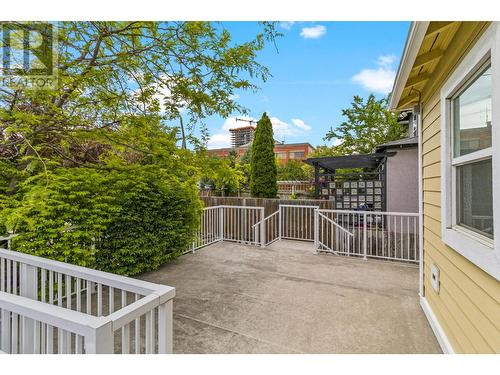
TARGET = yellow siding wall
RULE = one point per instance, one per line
(468, 305)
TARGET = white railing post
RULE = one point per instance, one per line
(221, 223)
(364, 236)
(279, 223)
(165, 328)
(28, 289)
(100, 339)
(5, 330)
(316, 229)
(262, 228)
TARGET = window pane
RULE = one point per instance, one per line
(475, 197)
(472, 116)
(297, 154)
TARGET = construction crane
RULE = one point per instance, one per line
(238, 140)
(244, 135)
(245, 120)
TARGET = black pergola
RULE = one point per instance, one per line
(351, 189)
(332, 163)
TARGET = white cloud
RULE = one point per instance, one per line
(313, 32)
(287, 25)
(282, 129)
(301, 124)
(231, 122)
(219, 140)
(386, 60)
(297, 128)
(379, 80)
(337, 142)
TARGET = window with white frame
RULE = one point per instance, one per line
(469, 109)
(471, 153)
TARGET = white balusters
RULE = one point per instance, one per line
(125, 328)
(383, 235)
(40, 297)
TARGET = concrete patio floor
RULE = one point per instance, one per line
(233, 298)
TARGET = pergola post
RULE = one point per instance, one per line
(316, 180)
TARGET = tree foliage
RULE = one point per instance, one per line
(90, 171)
(246, 158)
(263, 172)
(224, 174)
(293, 170)
(368, 125)
(112, 71)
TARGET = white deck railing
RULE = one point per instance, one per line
(384, 235)
(290, 221)
(297, 222)
(48, 306)
(238, 223)
(229, 223)
(271, 227)
(210, 229)
(369, 234)
(54, 307)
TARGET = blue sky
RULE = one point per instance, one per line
(317, 69)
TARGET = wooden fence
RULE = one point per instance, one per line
(270, 205)
(297, 187)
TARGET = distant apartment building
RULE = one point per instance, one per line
(283, 151)
(242, 136)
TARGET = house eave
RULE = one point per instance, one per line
(414, 40)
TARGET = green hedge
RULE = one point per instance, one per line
(122, 221)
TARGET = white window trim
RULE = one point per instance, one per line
(483, 252)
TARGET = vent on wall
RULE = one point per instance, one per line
(435, 277)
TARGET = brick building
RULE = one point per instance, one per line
(283, 151)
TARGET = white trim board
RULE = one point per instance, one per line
(420, 204)
(441, 337)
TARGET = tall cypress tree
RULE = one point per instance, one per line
(263, 164)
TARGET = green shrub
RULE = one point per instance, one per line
(123, 221)
(156, 224)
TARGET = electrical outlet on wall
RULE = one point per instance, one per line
(435, 277)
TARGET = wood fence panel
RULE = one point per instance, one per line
(270, 205)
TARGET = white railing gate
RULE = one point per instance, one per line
(296, 222)
(229, 223)
(369, 234)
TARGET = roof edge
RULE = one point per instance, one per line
(408, 142)
(414, 40)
